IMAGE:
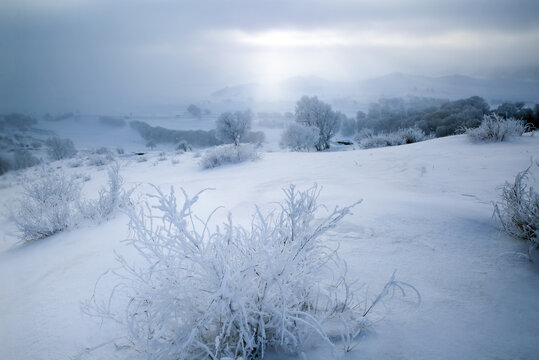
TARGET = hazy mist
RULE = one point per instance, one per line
(126, 55)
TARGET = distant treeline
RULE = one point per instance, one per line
(196, 138)
(435, 117)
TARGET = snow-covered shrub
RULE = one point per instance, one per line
(48, 205)
(518, 210)
(234, 292)
(298, 137)
(110, 198)
(183, 146)
(375, 141)
(233, 127)
(369, 139)
(60, 148)
(23, 159)
(411, 135)
(496, 128)
(228, 154)
(120, 150)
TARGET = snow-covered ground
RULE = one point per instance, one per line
(427, 213)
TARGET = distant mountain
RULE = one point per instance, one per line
(451, 87)
(391, 85)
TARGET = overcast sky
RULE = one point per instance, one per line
(103, 54)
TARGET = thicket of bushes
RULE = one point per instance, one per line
(496, 128)
(434, 117)
(52, 203)
(158, 134)
(368, 139)
(195, 138)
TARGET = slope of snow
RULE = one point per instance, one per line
(427, 213)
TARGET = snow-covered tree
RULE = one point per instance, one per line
(298, 137)
(312, 112)
(232, 127)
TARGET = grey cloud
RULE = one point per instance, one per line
(106, 53)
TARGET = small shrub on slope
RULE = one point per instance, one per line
(48, 205)
(109, 198)
(496, 128)
(518, 210)
(52, 203)
(228, 154)
(233, 292)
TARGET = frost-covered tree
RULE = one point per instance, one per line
(312, 112)
(59, 149)
(232, 127)
(298, 137)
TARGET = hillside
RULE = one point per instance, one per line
(426, 212)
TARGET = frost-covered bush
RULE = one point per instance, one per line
(368, 139)
(183, 146)
(411, 135)
(228, 154)
(23, 159)
(109, 198)
(48, 205)
(60, 148)
(298, 137)
(233, 292)
(496, 128)
(52, 203)
(233, 127)
(518, 210)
